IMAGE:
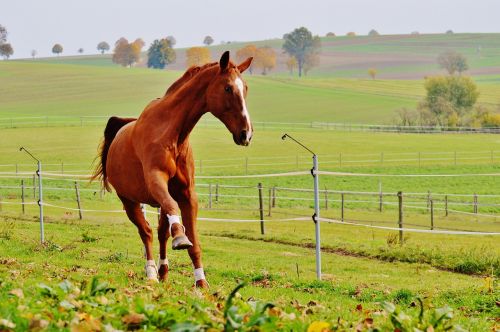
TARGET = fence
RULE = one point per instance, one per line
(268, 201)
(247, 165)
(82, 121)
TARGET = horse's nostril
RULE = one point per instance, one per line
(243, 136)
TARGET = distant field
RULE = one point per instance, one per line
(37, 89)
(395, 56)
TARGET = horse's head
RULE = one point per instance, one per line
(226, 99)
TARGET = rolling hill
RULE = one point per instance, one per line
(394, 56)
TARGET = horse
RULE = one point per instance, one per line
(149, 160)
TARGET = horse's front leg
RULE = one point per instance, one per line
(157, 183)
(188, 202)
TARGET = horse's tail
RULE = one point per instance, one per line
(112, 127)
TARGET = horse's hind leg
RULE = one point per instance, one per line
(135, 215)
(163, 234)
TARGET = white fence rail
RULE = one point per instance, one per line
(76, 120)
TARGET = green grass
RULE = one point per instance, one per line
(38, 89)
(277, 273)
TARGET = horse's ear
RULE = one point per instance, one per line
(224, 61)
(245, 64)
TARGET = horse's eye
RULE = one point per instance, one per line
(228, 89)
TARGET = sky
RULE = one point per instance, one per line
(39, 24)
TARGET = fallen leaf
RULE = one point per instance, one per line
(133, 319)
(7, 323)
(17, 292)
(318, 327)
(359, 307)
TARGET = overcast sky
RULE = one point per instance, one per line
(38, 24)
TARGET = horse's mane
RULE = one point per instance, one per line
(190, 73)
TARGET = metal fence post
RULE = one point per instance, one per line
(316, 216)
(216, 192)
(40, 201)
(400, 219)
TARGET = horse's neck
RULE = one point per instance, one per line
(174, 116)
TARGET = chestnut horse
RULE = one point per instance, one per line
(150, 160)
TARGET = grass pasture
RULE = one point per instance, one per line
(362, 266)
(89, 275)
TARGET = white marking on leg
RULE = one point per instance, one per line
(163, 261)
(151, 271)
(173, 219)
(240, 85)
(199, 274)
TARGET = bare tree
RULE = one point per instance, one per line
(453, 62)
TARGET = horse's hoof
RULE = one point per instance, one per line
(202, 284)
(163, 272)
(153, 281)
(181, 242)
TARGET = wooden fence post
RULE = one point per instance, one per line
(210, 196)
(62, 167)
(429, 198)
(400, 219)
(216, 192)
(261, 209)
(380, 196)
(326, 198)
(34, 187)
(475, 203)
(446, 205)
(274, 196)
(342, 207)
(22, 194)
(78, 200)
(246, 165)
(432, 214)
(270, 197)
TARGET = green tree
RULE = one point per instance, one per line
(373, 33)
(449, 96)
(57, 49)
(103, 47)
(208, 40)
(6, 50)
(453, 62)
(160, 54)
(300, 44)
(80, 50)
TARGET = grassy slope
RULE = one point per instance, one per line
(49, 89)
(394, 56)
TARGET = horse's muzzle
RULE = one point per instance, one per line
(245, 138)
